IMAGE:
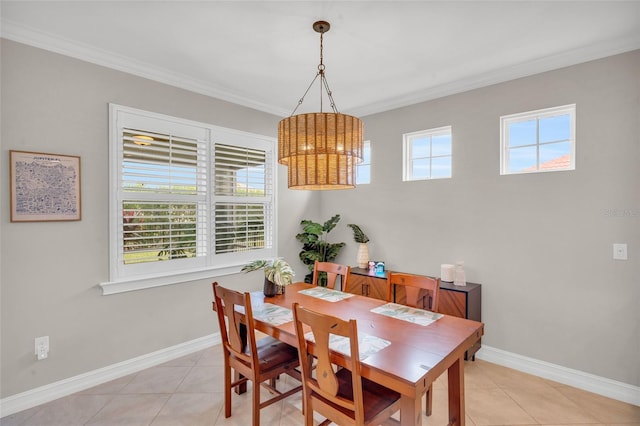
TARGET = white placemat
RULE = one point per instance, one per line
(367, 344)
(272, 314)
(326, 294)
(406, 313)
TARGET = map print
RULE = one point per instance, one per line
(46, 187)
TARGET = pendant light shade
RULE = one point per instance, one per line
(320, 149)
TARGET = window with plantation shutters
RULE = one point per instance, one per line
(188, 200)
(243, 189)
(164, 190)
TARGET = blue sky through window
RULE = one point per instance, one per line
(539, 143)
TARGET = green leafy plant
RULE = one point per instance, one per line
(315, 245)
(277, 270)
(358, 235)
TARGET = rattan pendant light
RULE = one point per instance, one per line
(320, 149)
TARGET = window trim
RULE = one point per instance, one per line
(407, 158)
(505, 120)
(215, 265)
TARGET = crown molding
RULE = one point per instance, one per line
(525, 69)
(40, 39)
(47, 41)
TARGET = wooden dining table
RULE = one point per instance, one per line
(415, 355)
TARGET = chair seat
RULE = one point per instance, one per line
(376, 398)
(273, 353)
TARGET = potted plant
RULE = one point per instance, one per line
(362, 256)
(277, 274)
(315, 245)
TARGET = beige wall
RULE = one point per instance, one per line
(50, 271)
(541, 244)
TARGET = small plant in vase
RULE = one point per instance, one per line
(362, 256)
(277, 274)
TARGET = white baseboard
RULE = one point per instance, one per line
(578, 379)
(31, 398)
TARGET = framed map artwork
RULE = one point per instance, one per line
(44, 187)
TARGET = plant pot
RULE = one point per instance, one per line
(270, 288)
(362, 257)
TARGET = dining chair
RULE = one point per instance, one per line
(343, 397)
(419, 292)
(256, 360)
(332, 272)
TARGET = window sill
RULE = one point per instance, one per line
(147, 281)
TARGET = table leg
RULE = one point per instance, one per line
(456, 393)
(410, 411)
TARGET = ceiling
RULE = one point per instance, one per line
(378, 55)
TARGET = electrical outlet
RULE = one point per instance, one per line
(620, 251)
(42, 347)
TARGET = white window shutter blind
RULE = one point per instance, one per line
(163, 191)
(243, 190)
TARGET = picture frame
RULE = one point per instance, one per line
(44, 187)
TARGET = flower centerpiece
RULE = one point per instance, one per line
(277, 274)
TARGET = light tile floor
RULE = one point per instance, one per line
(188, 391)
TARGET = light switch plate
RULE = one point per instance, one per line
(619, 251)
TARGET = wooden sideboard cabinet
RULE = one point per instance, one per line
(464, 302)
(367, 284)
(459, 301)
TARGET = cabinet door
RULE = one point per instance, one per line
(367, 286)
(453, 303)
(356, 285)
(377, 288)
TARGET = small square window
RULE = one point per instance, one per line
(538, 141)
(427, 154)
(363, 169)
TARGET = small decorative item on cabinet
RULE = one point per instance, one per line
(447, 272)
(362, 256)
(459, 275)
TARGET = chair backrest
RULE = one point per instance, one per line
(332, 271)
(421, 291)
(231, 304)
(325, 382)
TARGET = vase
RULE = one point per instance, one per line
(270, 288)
(362, 257)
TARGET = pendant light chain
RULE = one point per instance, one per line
(323, 79)
(323, 83)
(320, 149)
